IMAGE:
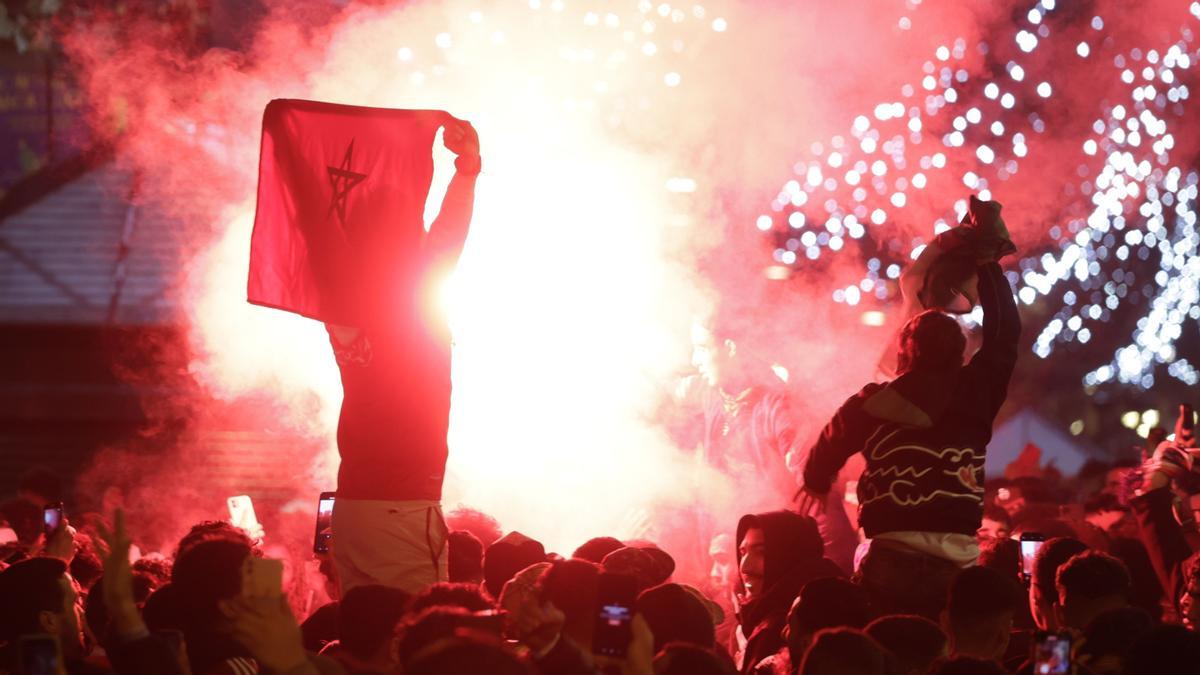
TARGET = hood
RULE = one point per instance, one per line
(915, 399)
(791, 540)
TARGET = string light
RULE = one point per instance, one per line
(1136, 201)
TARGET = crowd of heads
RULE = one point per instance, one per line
(511, 606)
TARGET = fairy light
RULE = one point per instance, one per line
(1139, 198)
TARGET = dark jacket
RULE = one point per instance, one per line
(1164, 539)
(794, 556)
(924, 435)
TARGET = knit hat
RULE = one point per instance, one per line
(664, 564)
(596, 548)
(508, 555)
(635, 562)
(675, 615)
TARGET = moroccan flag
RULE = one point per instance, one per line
(341, 202)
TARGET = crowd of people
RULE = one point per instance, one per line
(934, 572)
(1114, 584)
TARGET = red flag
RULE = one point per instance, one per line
(341, 202)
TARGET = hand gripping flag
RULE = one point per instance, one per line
(341, 201)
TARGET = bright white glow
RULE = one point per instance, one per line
(1043, 90)
(1026, 41)
(681, 185)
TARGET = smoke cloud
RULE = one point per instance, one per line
(627, 150)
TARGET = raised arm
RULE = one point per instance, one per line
(842, 437)
(1001, 330)
(446, 237)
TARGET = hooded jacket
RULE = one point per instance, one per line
(924, 435)
(793, 556)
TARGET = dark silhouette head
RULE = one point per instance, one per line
(979, 612)
(823, 603)
(675, 615)
(206, 577)
(1088, 585)
(844, 651)
(596, 548)
(469, 655)
(914, 641)
(1043, 593)
(1111, 635)
(930, 341)
(465, 557)
(447, 594)
(508, 555)
(39, 597)
(679, 658)
(367, 619)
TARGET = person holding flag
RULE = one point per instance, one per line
(339, 237)
(924, 434)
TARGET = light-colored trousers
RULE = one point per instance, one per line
(399, 544)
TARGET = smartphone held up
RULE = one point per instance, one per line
(1031, 542)
(613, 628)
(52, 518)
(242, 516)
(324, 533)
(39, 655)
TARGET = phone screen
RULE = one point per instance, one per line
(1053, 655)
(324, 523)
(39, 655)
(1029, 549)
(614, 614)
(52, 517)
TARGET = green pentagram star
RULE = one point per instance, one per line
(341, 180)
